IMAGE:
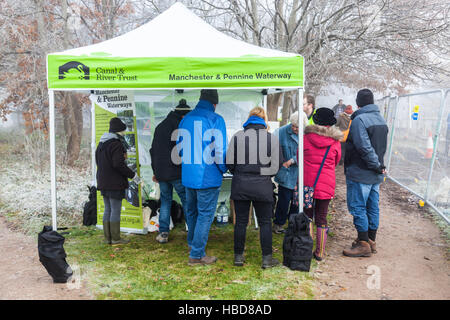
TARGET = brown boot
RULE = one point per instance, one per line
(203, 261)
(361, 249)
(373, 245)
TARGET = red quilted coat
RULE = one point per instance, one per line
(316, 139)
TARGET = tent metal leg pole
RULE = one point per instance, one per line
(300, 151)
(93, 146)
(255, 218)
(265, 102)
(52, 134)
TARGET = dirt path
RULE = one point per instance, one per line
(22, 275)
(412, 260)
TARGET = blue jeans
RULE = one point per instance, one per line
(200, 208)
(166, 188)
(362, 203)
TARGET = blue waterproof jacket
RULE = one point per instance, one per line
(366, 146)
(287, 177)
(202, 143)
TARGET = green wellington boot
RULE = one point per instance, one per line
(115, 234)
(269, 262)
(107, 232)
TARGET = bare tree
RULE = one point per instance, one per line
(378, 43)
(382, 44)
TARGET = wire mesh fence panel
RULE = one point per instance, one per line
(383, 104)
(439, 186)
(416, 119)
(387, 107)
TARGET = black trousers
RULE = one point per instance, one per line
(263, 212)
(285, 206)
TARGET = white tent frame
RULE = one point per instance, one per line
(233, 49)
(52, 133)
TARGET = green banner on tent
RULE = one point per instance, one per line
(89, 72)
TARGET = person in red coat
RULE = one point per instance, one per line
(317, 138)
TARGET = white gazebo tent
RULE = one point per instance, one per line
(176, 50)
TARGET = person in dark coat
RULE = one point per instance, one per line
(112, 178)
(254, 157)
(364, 171)
(166, 172)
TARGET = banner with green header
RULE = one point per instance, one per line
(118, 103)
(88, 72)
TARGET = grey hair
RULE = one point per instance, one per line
(294, 118)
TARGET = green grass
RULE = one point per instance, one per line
(145, 269)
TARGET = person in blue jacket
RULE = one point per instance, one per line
(202, 144)
(288, 175)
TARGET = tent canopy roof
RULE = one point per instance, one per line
(177, 49)
(177, 32)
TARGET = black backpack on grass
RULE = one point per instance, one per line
(53, 256)
(90, 208)
(297, 243)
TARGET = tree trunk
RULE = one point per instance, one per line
(287, 103)
(73, 126)
(273, 101)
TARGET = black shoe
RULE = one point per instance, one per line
(239, 260)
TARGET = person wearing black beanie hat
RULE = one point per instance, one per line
(112, 178)
(364, 172)
(166, 171)
(202, 169)
(364, 98)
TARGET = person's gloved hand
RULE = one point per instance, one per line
(381, 170)
(136, 179)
